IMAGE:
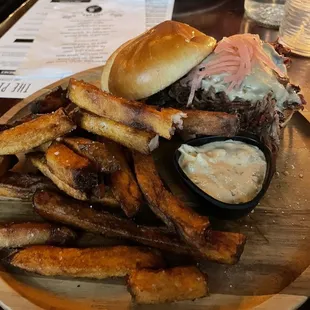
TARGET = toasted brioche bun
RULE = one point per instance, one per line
(154, 60)
(107, 68)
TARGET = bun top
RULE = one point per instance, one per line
(154, 60)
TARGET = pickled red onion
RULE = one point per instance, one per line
(236, 56)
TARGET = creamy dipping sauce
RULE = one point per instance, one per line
(229, 171)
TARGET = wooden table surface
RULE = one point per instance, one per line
(217, 18)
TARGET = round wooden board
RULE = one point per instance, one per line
(273, 271)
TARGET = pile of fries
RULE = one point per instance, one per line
(91, 148)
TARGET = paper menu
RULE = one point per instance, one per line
(31, 25)
(85, 36)
(158, 11)
(14, 45)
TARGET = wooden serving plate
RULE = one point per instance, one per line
(273, 271)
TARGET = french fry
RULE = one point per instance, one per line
(95, 151)
(39, 162)
(26, 136)
(104, 195)
(51, 102)
(71, 168)
(191, 226)
(55, 207)
(24, 119)
(168, 285)
(221, 247)
(43, 147)
(22, 234)
(131, 113)
(211, 123)
(130, 137)
(152, 189)
(123, 183)
(7, 162)
(97, 263)
(4, 127)
(18, 186)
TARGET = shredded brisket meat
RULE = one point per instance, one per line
(260, 118)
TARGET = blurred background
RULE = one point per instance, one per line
(7, 7)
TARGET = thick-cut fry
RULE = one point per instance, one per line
(168, 285)
(221, 247)
(22, 234)
(131, 113)
(133, 138)
(43, 147)
(97, 263)
(55, 207)
(4, 127)
(17, 186)
(39, 161)
(152, 191)
(123, 183)
(7, 162)
(71, 168)
(29, 135)
(24, 119)
(211, 123)
(104, 195)
(99, 190)
(51, 102)
(191, 226)
(95, 151)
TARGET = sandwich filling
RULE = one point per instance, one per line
(243, 67)
(242, 76)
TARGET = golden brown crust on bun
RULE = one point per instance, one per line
(155, 59)
(107, 68)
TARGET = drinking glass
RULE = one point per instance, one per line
(266, 12)
(295, 27)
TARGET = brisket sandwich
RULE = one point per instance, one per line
(175, 65)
